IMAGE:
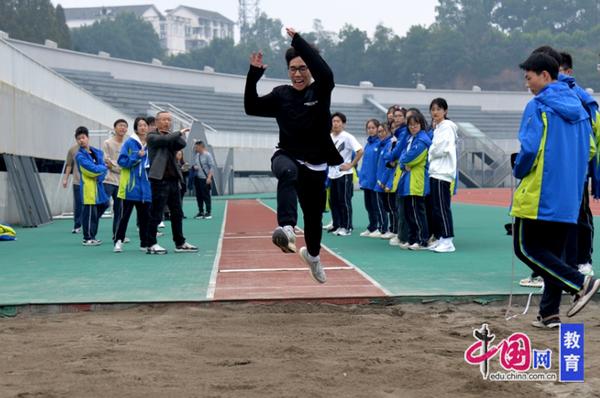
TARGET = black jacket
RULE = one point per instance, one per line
(303, 117)
(162, 149)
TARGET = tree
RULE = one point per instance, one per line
(125, 36)
(34, 21)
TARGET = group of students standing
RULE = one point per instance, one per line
(408, 176)
(145, 172)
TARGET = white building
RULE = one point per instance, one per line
(180, 29)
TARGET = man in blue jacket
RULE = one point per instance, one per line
(556, 145)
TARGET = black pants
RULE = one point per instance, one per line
(373, 210)
(580, 240)
(541, 246)
(143, 221)
(441, 222)
(340, 201)
(416, 219)
(429, 211)
(402, 218)
(297, 183)
(202, 194)
(113, 191)
(387, 201)
(166, 192)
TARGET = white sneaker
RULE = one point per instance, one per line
(76, 230)
(156, 249)
(343, 232)
(143, 249)
(328, 226)
(365, 233)
(404, 245)
(159, 234)
(161, 225)
(388, 235)
(445, 246)
(285, 239)
(375, 234)
(536, 282)
(118, 247)
(395, 241)
(432, 244)
(186, 248)
(92, 242)
(126, 240)
(416, 246)
(586, 269)
(316, 268)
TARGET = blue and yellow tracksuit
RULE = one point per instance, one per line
(416, 181)
(134, 184)
(556, 145)
(92, 176)
(386, 177)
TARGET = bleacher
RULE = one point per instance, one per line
(224, 112)
(496, 125)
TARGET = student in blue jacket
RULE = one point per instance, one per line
(414, 182)
(367, 179)
(580, 245)
(556, 145)
(399, 141)
(134, 186)
(580, 239)
(386, 185)
(92, 169)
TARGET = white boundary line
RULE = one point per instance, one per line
(345, 261)
(212, 284)
(303, 269)
(249, 237)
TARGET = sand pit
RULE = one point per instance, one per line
(279, 350)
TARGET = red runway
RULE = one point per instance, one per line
(250, 267)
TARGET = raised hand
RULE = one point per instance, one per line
(291, 32)
(256, 60)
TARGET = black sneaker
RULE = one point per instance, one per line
(550, 322)
(207, 216)
(199, 216)
(590, 287)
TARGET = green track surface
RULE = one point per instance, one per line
(49, 265)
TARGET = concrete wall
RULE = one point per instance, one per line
(60, 200)
(131, 70)
(40, 109)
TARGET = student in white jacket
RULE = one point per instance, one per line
(442, 175)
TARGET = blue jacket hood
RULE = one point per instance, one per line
(583, 95)
(559, 97)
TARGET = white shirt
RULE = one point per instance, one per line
(346, 145)
(442, 152)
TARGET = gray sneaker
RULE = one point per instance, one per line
(285, 239)
(590, 287)
(316, 268)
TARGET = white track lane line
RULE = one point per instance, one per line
(212, 284)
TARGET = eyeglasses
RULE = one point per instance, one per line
(300, 69)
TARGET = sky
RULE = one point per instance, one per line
(399, 15)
